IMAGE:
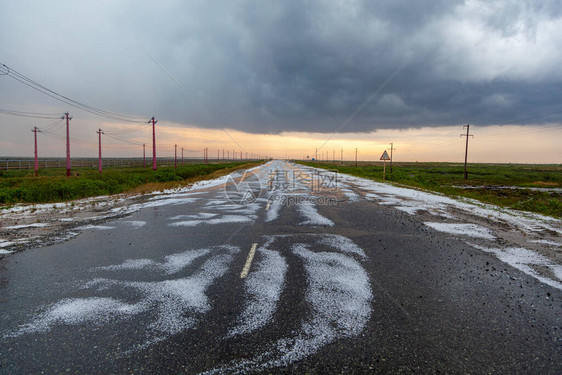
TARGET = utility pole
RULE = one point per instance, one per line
(153, 142)
(67, 143)
(467, 126)
(356, 156)
(316, 155)
(223, 154)
(35, 130)
(144, 155)
(175, 156)
(100, 132)
(342, 156)
(391, 148)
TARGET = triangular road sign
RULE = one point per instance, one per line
(385, 156)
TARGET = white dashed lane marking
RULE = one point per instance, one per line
(246, 268)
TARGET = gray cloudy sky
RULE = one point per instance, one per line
(272, 66)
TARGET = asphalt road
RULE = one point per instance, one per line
(302, 275)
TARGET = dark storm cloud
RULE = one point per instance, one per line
(263, 66)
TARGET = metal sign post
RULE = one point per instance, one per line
(384, 157)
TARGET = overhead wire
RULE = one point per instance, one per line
(62, 98)
(47, 116)
(122, 139)
(527, 131)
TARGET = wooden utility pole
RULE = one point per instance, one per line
(35, 130)
(467, 126)
(356, 156)
(100, 165)
(391, 148)
(153, 142)
(67, 144)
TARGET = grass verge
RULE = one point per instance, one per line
(516, 186)
(53, 186)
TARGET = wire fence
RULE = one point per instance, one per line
(50, 163)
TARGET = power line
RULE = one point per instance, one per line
(129, 130)
(47, 116)
(55, 95)
(528, 131)
(119, 138)
(53, 127)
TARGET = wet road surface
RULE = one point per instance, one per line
(283, 269)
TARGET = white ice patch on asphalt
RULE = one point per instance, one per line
(342, 244)
(409, 210)
(171, 264)
(177, 301)
(135, 224)
(174, 304)
(339, 296)
(225, 219)
(4, 243)
(76, 311)
(471, 230)
(350, 194)
(263, 288)
(440, 205)
(273, 212)
(390, 201)
(524, 259)
(95, 227)
(4, 251)
(309, 211)
(157, 201)
(23, 226)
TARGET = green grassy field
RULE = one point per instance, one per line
(506, 185)
(52, 185)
